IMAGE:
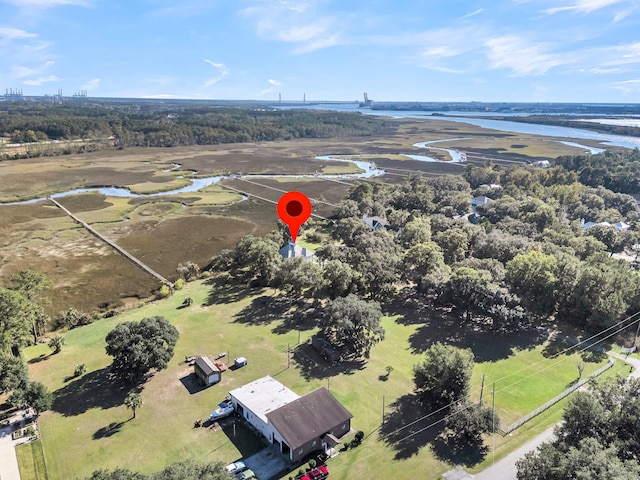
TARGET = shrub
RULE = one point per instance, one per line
(164, 291)
(205, 274)
(312, 464)
(80, 369)
(179, 284)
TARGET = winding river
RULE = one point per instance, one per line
(368, 170)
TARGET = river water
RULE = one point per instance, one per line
(501, 125)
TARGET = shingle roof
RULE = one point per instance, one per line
(206, 366)
(308, 417)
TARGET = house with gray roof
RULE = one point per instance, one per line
(297, 425)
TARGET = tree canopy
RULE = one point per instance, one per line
(139, 347)
(353, 324)
(444, 376)
(598, 437)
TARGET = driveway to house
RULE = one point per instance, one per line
(267, 463)
(8, 460)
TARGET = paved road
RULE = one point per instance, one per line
(505, 469)
(8, 461)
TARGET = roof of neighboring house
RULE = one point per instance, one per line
(375, 220)
(293, 250)
(482, 200)
(308, 417)
(263, 396)
(206, 366)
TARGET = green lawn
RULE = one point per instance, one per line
(31, 461)
(89, 428)
(527, 379)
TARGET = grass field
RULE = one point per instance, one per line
(89, 427)
(31, 461)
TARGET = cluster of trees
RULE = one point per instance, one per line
(185, 470)
(525, 258)
(617, 171)
(598, 437)
(442, 381)
(173, 124)
(349, 322)
(22, 320)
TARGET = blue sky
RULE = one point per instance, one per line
(411, 50)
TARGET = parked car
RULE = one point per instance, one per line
(316, 473)
(246, 475)
(239, 362)
(224, 410)
(236, 467)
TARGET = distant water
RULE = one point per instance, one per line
(501, 125)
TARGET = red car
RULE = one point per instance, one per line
(316, 473)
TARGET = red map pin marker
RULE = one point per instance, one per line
(294, 208)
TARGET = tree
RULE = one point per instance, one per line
(31, 283)
(189, 271)
(259, 257)
(444, 376)
(184, 470)
(13, 372)
(117, 474)
(133, 401)
(337, 279)
(138, 347)
(56, 344)
(193, 470)
(73, 318)
(352, 324)
(34, 395)
(415, 231)
(422, 259)
(297, 275)
(17, 315)
(468, 422)
(532, 278)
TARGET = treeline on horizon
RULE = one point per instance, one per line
(168, 125)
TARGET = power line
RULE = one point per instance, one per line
(451, 404)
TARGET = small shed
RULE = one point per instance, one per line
(206, 371)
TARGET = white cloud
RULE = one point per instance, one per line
(22, 72)
(91, 84)
(10, 33)
(213, 64)
(275, 83)
(292, 22)
(628, 86)
(584, 6)
(36, 82)
(473, 14)
(520, 56)
(210, 82)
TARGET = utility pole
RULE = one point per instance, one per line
(493, 422)
(288, 355)
(383, 409)
(482, 389)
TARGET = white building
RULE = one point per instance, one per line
(254, 400)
